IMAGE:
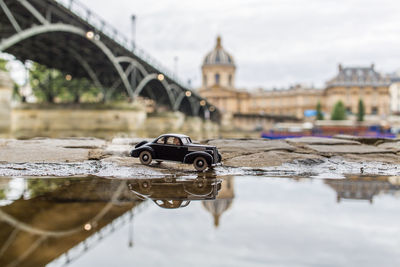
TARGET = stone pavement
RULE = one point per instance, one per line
(236, 153)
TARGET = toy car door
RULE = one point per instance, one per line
(176, 150)
(160, 149)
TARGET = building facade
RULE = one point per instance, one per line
(288, 102)
(349, 86)
(394, 91)
(354, 83)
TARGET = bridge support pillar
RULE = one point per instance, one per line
(6, 86)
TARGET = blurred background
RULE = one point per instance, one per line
(228, 69)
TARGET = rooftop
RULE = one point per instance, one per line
(358, 76)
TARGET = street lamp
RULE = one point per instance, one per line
(188, 93)
(90, 35)
(160, 77)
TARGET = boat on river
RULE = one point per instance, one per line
(328, 129)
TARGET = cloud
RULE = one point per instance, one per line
(274, 43)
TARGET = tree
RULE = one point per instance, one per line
(3, 63)
(50, 85)
(361, 110)
(339, 112)
(46, 83)
(320, 115)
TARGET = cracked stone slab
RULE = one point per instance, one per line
(128, 141)
(268, 158)
(365, 140)
(392, 146)
(347, 149)
(82, 142)
(251, 145)
(49, 150)
(118, 150)
(384, 158)
(313, 140)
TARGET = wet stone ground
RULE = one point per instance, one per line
(307, 156)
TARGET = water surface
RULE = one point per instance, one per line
(231, 221)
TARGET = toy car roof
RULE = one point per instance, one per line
(175, 135)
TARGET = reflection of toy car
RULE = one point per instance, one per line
(177, 147)
(174, 193)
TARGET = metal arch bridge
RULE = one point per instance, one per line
(65, 35)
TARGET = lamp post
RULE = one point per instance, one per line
(133, 26)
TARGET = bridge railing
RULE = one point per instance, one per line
(100, 25)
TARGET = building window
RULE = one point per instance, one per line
(205, 80)
(374, 111)
(230, 79)
(217, 78)
(348, 111)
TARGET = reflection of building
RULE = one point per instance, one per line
(363, 188)
(352, 84)
(223, 201)
(349, 85)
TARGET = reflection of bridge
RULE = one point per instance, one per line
(65, 35)
(65, 222)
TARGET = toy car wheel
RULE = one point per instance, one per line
(145, 157)
(200, 163)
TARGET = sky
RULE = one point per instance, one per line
(275, 43)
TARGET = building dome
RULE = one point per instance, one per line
(218, 56)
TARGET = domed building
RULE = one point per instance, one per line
(218, 81)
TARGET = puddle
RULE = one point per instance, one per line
(220, 221)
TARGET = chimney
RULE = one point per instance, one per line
(340, 67)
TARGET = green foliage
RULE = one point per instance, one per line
(37, 187)
(320, 115)
(339, 112)
(3, 64)
(2, 194)
(361, 111)
(50, 86)
(15, 93)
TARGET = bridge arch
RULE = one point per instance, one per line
(152, 77)
(60, 27)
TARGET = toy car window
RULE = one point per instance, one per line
(173, 141)
(185, 140)
(161, 140)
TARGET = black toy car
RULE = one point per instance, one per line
(177, 147)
